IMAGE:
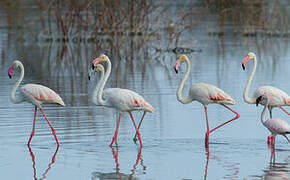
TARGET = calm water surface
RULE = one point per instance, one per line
(173, 137)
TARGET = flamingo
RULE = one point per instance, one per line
(35, 94)
(277, 97)
(205, 94)
(274, 125)
(123, 100)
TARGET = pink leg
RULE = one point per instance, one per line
(52, 129)
(33, 127)
(117, 128)
(284, 110)
(137, 130)
(274, 142)
(207, 128)
(207, 161)
(237, 116)
(270, 140)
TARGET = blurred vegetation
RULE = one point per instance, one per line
(252, 17)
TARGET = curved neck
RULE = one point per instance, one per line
(188, 99)
(13, 97)
(246, 91)
(102, 85)
(264, 111)
(97, 87)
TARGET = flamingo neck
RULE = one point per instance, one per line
(102, 85)
(97, 87)
(264, 111)
(180, 98)
(247, 88)
(13, 97)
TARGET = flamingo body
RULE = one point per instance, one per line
(35, 94)
(120, 99)
(274, 125)
(208, 94)
(277, 97)
(277, 126)
(38, 94)
(126, 100)
(205, 94)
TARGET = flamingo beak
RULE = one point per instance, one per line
(10, 71)
(95, 62)
(258, 100)
(90, 74)
(243, 66)
(245, 61)
(176, 66)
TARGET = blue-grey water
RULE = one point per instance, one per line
(173, 137)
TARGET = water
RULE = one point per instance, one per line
(173, 137)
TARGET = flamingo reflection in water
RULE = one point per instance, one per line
(228, 165)
(277, 170)
(34, 164)
(118, 174)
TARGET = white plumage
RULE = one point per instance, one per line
(38, 94)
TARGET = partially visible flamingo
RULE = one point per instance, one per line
(277, 97)
(275, 126)
(35, 94)
(123, 100)
(203, 93)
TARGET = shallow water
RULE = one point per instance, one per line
(173, 137)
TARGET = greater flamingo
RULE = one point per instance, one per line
(277, 97)
(274, 125)
(123, 100)
(205, 94)
(35, 94)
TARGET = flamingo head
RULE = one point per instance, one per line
(250, 56)
(258, 100)
(99, 59)
(263, 99)
(10, 71)
(96, 68)
(181, 58)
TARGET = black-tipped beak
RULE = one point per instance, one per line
(175, 70)
(243, 66)
(9, 76)
(89, 77)
(93, 67)
(258, 100)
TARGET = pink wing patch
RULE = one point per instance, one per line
(286, 101)
(38, 97)
(219, 97)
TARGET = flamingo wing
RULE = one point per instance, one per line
(39, 94)
(276, 96)
(126, 100)
(207, 93)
